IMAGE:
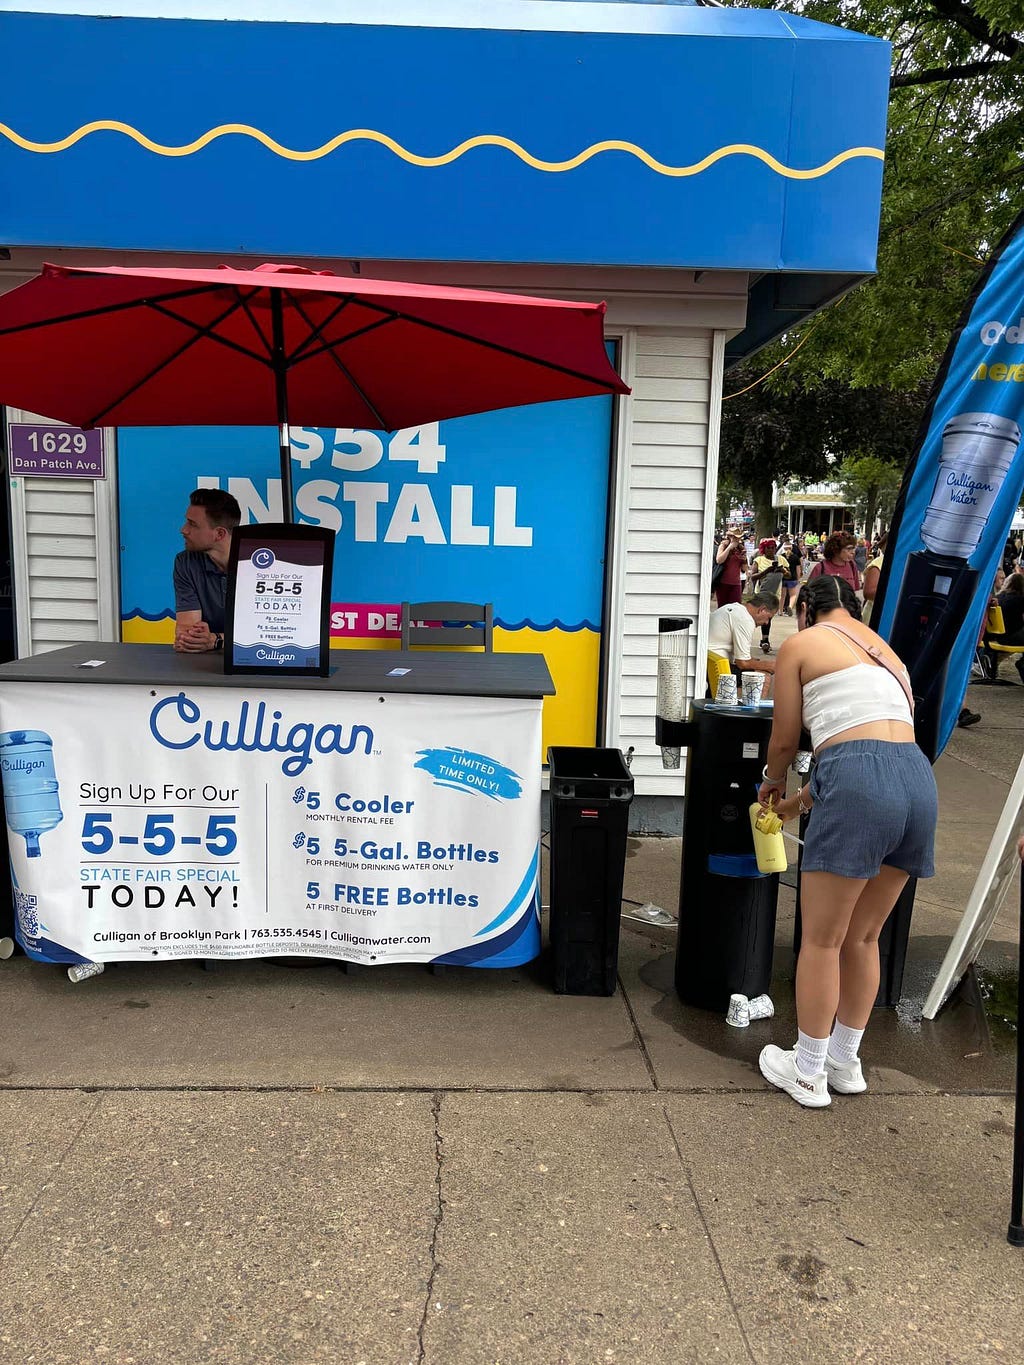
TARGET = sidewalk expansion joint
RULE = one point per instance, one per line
(435, 1231)
(977, 767)
(704, 1091)
(47, 1183)
(316, 1089)
(688, 1174)
(638, 1036)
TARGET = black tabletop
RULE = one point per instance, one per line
(456, 673)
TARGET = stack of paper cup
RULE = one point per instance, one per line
(81, 971)
(739, 1011)
(743, 1011)
(753, 686)
(725, 693)
(671, 702)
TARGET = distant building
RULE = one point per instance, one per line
(818, 507)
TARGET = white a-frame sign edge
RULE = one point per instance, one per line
(997, 872)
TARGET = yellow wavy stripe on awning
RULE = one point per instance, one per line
(470, 144)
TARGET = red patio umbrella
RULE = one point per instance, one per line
(106, 346)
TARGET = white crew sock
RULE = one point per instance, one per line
(845, 1042)
(810, 1054)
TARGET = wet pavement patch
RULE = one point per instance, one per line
(970, 1046)
(805, 1272)
(999, 997)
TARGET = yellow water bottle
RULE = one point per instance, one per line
(769, 848)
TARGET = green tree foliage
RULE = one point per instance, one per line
(870, 485)
(953, 184)
(806, 432)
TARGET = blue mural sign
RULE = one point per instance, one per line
(502, 507)
(506, 507)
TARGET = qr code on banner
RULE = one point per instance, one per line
(26, 908)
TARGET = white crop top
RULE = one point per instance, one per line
(852, 696)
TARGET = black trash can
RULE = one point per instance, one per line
(591, 790)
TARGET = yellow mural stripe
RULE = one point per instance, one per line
(470, 144)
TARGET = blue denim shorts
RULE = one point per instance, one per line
(875, 806)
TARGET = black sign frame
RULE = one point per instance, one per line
(310, 545)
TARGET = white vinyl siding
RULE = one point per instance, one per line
(63, 534)
(662, 495)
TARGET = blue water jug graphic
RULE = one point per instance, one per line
(31, 792)
(978, 451)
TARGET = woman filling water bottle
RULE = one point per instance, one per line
(873, 807)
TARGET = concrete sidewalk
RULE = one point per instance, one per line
(259, 1164)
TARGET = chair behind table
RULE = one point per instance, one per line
(995, 625)
(460, 624)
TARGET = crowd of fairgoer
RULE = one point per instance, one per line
(765, 574)
(780, 562)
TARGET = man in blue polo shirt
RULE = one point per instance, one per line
(200, 570)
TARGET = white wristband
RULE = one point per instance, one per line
(772, 781)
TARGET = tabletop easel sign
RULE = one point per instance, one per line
(278, 600)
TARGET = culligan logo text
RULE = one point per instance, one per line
(992, 332)
(177, 723)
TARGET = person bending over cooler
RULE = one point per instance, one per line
(873, 808)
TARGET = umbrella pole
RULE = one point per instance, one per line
(280, 363)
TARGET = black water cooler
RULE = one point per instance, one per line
(727, 908)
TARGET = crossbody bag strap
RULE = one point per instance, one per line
(873, 652)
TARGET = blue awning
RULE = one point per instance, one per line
(549, 131)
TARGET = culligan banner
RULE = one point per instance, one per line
(205, 823)
(958, 498)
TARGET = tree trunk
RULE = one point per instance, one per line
(870, 512)
(765, 515)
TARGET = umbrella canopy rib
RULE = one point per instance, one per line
(164, 364)
(317, 331)
(375, 326)
(491, 345)
(86, 313)
(206, 330)
(245, 300)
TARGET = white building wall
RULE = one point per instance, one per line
(669, 428)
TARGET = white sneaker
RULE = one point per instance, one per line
(779, 1068)
(845, 1077)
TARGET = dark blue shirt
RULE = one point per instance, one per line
(200, 586)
